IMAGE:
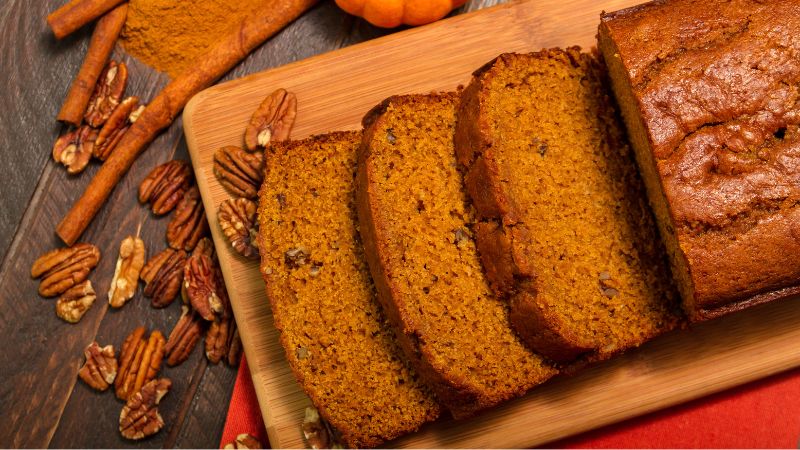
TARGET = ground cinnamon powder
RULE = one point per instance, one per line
(170, 35)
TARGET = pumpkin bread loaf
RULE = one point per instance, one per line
(338, 344)
(710, 93)
(417, 232)
(565, 232)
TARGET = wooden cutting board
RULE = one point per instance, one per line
(334, 90)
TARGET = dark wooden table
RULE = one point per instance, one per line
(42, 403)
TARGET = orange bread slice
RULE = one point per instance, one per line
(339, 346)
(416, 228)
(565, 231)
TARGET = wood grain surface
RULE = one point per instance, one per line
(43, 404)
(333, 93)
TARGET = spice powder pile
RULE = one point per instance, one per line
(170, 35)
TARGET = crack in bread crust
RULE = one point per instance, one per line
(722, 123)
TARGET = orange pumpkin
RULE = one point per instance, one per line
(392, 13)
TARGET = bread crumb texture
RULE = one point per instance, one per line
(570, 174)
(423, 230)
(337, 341)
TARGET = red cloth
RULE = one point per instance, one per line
(244, 416)
(762, 414)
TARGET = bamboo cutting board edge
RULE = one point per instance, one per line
(672, 369)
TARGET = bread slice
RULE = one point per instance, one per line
(417, 232)
(339, 346)
(565, 232)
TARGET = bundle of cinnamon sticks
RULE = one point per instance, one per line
(165, 107)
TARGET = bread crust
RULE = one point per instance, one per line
(713, 113)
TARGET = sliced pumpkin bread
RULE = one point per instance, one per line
(341, 349)
(417, 232)
(565, 232)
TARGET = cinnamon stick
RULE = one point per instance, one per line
(78, 13)
(102, 44)
(160, 113)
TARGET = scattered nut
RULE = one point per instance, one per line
(63, 268)
(107, 93)
(244, 441)
(100, 369)
(163, 275)
(217, 339)
(117, 124)
(317, 432)
(126, 274)
(189, 223)
(237, 218)
(273, 120)
(165, 185)
(139, 417)
(239, 171)
(184, 337)
(202, 286)
(74, 148)
(205, 247)
(74, 303)
(140, 361)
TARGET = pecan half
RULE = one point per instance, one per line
(244, 441)
(217, 339)
(189, 223)
(74, 148)
(139, 417)
(165, 185)
(107, 93)
(74, 303)
(317, 432)
(273, 120)
(184, 337)
(100, 369)
(117, 124)
(237, 219)
(63, 268)
(139, 361)
(126, 274)
(205, 246)
(239, 171)
(203, 286)
(163, 276)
